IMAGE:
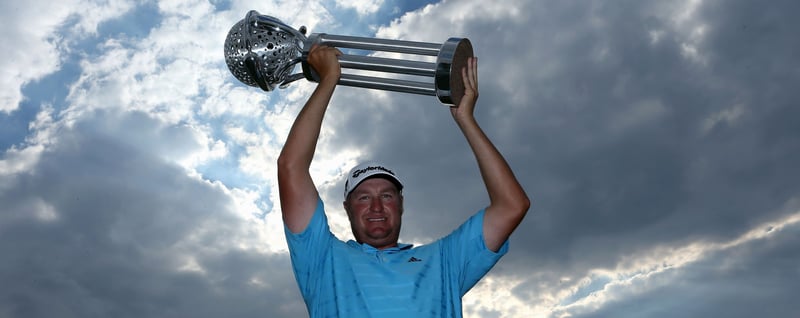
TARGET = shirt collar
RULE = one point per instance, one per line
(369, 249)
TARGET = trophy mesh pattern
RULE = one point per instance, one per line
(271, 44)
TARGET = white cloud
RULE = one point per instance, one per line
(21, 159)
(727, 116)
(493, 296)
(363, 7)
(36, 41)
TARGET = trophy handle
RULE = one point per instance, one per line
(444, 75)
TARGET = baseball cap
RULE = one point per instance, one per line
(364, 171)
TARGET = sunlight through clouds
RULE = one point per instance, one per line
(659, 267)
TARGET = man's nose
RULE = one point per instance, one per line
(376, 205)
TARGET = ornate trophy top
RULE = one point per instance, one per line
(261, 51)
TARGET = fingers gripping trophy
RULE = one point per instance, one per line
(262, 51)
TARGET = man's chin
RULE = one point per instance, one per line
(378, 235)
(379, 238)
(377, 230)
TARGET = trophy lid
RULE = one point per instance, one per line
(261, 51)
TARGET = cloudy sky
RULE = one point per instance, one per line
(659, 141)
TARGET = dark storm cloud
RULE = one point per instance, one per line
(124, 223)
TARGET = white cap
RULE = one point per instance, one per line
(366, 170)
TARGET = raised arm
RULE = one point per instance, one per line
(298, 194)
(508, 201)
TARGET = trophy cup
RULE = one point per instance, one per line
(262, 51)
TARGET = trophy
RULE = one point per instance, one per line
(262, 51)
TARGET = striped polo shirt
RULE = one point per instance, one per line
(348, 279)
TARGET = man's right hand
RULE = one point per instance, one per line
(324, 59)
(298, 195)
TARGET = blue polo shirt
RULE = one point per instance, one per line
(348, 279)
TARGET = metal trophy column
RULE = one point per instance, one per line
(262, 51)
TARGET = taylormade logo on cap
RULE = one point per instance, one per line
(363, 171)
(360, 171)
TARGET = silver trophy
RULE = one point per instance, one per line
(262, 51)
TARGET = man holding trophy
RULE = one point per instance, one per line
(375, 275)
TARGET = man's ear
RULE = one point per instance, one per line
(401, 203)
(346, 206)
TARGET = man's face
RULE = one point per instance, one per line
(375, 208)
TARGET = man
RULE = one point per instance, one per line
(375, 276)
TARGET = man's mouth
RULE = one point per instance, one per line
(376, 219)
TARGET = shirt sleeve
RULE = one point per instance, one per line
(468, 253)
(309, 249)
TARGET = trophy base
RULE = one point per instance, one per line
(451, 60)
